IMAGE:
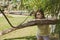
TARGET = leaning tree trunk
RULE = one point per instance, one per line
(40, 22)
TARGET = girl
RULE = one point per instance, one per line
(43, 30)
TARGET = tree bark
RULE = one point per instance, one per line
(30, 23)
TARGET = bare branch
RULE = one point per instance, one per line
(31, 23)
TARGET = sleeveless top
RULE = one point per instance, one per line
(43, 30)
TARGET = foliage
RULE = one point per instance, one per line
(51, 7)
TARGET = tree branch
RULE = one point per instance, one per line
(34, 22)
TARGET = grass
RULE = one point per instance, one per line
(14, 20)
(20, 34)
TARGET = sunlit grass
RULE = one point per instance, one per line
(14, 20)
(29, 31)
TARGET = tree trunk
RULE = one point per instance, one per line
(40, 22)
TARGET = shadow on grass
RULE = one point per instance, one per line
(28, 38)
(23, 38)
